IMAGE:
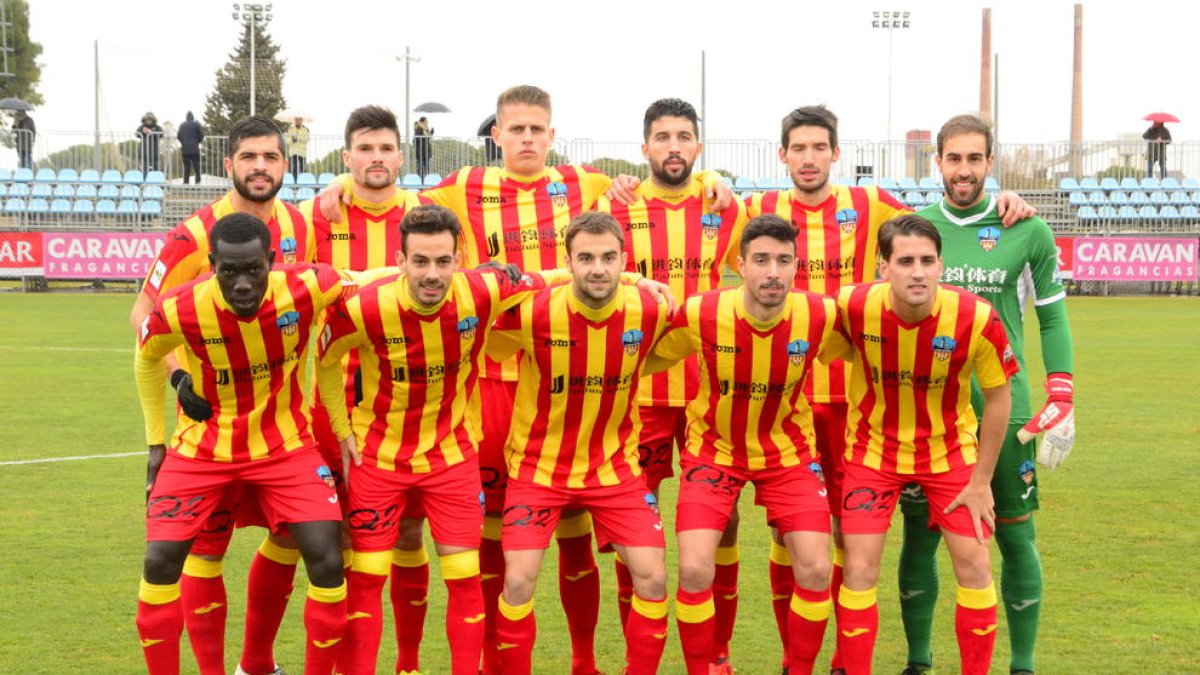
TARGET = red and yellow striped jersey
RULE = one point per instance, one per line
(517, 220)
(910, 387)
(367, 235)
(838, 244)
(419, 365)
(250, 370)
(750, 412)
(185, 255)
(675, 238)
(575, 422)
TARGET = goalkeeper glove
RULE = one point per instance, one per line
(1056, 419)
(514, 273)
(194, 406)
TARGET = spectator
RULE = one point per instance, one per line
(149, 133)
(26, 133)
(421, 147)
(1157, 138)
(297, 146)
(190, 135)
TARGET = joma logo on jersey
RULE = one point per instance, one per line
(215, 340)
(632, 341)
(559, 343)
(943, 347)
(288, 322)
(988, 238)
(796, 351)
(558, 193)
(466, 327)
(340, 236)
(491, 200)
(847, 219)
(726, 349)
(710, 223)
(395, 340)
(287, 246)
(558, 385)
(867, 337)
(641, 225)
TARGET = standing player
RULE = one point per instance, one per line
(574, 439)
(673, 235)
(256, 163)
(751, 423)
(245, 331)
(1008, 268)
(915, 346)
(366, 235)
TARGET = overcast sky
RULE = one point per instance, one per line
(604, 62)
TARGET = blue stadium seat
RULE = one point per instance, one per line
(40, 190)
(864, 181)
(306, 178)
(150, 208)
(153, 192)
(412, 180)
(89, 176)
(18, 190)
(287, 194)
(432, 179)
(848, 181)
(133, 177)
(1089, 183)
(1189, 184)
(1118, 198)
(784, 183)
(127, 207)
(740, 183)
(1148, 213)
(64, 190)
(1130, 183)
(109, 192)
(1127, 213)
(45, 176)
(305, 193)
(156, 178)
(1188, 212)
(914, 198)
(765, 183)
(1109, 212)
(106, 207)
(991, 184)
(1087, 213)
(68, 176)
(3, 189)
(1180, 197)
(1139, 198)
(1159, 197)
(38, 205)
(1077, 198)
(22, 175)
(1150, 183)
(131, 192)
(326, 178)
(111, 176)
(17, 205)
(1068, 184)
(1169, 212)
(933, 197)
(60, 206)
(906, 183)
(888, 183)
(1195, 195)
(1097, 198)
(929, 183)
(83, 207)
(1170, 183)
(5, 174)
(289, 179)
(1108, 184)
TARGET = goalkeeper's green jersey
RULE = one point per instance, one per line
(1009, 268)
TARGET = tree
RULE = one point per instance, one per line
(230, 97)
(22, 59)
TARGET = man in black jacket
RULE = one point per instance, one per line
(190, 135)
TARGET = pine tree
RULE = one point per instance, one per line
(24, 73)
(230, 97)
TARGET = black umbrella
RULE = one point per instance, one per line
(12, 103)
(432, 107)
(485, 129)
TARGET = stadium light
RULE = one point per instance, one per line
(258, 15)
(891, 21)
(408, 59)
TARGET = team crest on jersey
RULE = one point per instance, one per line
(797, 350)
(288, 322)
(1027, 470)
(847, 219)
(988, 238)
(326, 475)
(711, 225)
(632, 340)
(943, 347)
(558, 193)
(815, 467)
(287, 246)
(466, 327)
(1008, 353)
(652, 502)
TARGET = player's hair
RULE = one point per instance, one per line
(239, 228)
(593, 222)
(429, 219)
(669, 107)
(810, 116)
(907, 225)
(254, 126)
(526, 94)
(371, 117)
(964, 124)
(768, 225)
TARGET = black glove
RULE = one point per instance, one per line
(515, 275)
(194, 406)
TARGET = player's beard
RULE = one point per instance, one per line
(965, 202)
(664, 177)
(243, 188)
(376, 180)
(598, 297)
(761, 297)
(814, 188)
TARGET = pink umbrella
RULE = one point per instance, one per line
(1161, 117)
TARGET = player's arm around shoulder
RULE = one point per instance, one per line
(512, 330)
(678, 340)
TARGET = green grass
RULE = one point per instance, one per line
(1118, 532)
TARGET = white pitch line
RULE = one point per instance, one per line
(66, 349)
(69, 459)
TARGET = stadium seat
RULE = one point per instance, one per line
(40, 190)
(65, 190)
(765, 183)
(1089, 183)
(991, 184)
(412, 180)
(848, 181)
(153, 192)
(287, 194)
(1195, 196)
(1097, 198)
(106, 207)
(131, 192)
(1180, 197)
(1077, 198)
(1170, 183)
(1188, 212)
(3, 189)
(133, 177)
(1109, 212)
(156, 178)
(86, 190)
(1118, 198)
(1108, 184)
(38, 205)
(914, 198)
(928, 183)
(1169, 212)
(1150, 183)
(784, 183)
(22, 175)
(1087, 213)
(1159, 197)
(45, 176)
(864, 181)
(1127, 213)
(111, 177)
(68, 176)
(1148, 213)
(432, 179)
(89, 176)
(109, 192)
(1139, 198)
(1130, 183)
(5, 174)
(289, 180)
(17, 205)
(933, 197)
(305, 193)
(1189, 184)
(152, 209)
(127, 207)
(906, 183)
(1068, 184)
(83, 207)
(740, 183)
(60, 206)
(18, 190)
(326, 178)
(888, 183)
(306, 178)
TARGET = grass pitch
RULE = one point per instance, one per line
(1117, 532)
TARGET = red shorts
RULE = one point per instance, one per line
(871, 496)
(829, 423)
(794, 496)
(496, 398)
(663, 427)
(292, 487)
(452, 498)
(621, 514)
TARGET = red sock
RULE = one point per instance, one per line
(808, 614)
(779, 570)
(464, 619)
(324, 626)
(645, 635)
(694, 616)
(364, 620)
(579, 590)
(410, 600)
(835, 585)
(725, 599)
(516, 631)
(491, 579)
(975, 626)
(202, 594)
(624, 589)
(159, 625)
(858, 625)
(267, 590)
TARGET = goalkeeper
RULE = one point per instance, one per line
(1009, 268)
